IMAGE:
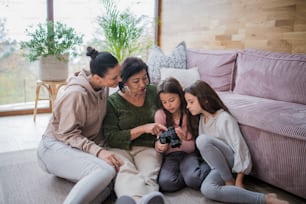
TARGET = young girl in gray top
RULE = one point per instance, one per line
(222, 146)
(70, 145)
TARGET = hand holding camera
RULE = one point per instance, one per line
(170, 137)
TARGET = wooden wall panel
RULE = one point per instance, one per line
(275, 25)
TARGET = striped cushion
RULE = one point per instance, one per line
(278, 117)
(273, 75)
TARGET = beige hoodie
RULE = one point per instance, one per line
(78, 114)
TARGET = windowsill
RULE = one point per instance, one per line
(27, 108)
(24, 108)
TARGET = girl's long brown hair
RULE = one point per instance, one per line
(208, 99)
(171, 85)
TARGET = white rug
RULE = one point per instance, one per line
(22, 181)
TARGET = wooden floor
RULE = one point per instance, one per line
(22, 133)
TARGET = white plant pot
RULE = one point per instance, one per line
(51, 69)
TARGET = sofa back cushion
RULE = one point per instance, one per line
(215, 66)
(272, 75)
(158, 59)
(186, 77)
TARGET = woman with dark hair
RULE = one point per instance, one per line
(222, 146)
(130, 131)
(70, 146)
(182, 165)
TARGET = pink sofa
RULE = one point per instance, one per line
(266, 92)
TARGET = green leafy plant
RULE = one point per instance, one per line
(51, 38)
(124, 32)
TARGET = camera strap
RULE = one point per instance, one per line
(181, 120)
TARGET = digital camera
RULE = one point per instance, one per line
(170, 137)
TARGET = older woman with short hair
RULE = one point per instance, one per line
(130, 131)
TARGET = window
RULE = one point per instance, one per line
(17, 74)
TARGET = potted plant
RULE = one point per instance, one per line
(52, 43)
(124, 33)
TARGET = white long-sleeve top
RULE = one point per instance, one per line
(224, 127)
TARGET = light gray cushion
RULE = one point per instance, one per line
(157, 59)
(186, 77)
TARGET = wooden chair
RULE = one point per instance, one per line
(52, 88)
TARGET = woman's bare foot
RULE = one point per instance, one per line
(271, 198)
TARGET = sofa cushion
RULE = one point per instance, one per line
(215, 66)
(278, 117)
(278, 76)
(185, 76)
(157, 59)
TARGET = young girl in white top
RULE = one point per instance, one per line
(222, 146)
